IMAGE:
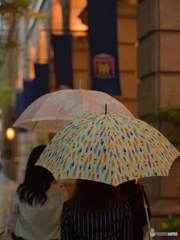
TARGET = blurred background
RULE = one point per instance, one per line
(148, 51)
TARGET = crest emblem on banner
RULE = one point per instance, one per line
(103, 66)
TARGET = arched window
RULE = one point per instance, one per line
(76, 7)
(56, 18)
(20, 74)
(32, 57)
(56, 29)
(42, 48)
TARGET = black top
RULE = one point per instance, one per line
(112, 224)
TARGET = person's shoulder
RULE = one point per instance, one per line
(66, 207)
(125, 202)
(126, 206)
(64, 194)
(69, 205)
(66, 204)
(58, 192)
(15, 195)
(15, 192)
(64, 191)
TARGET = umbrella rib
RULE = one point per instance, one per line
(112, 143)
(34, 126)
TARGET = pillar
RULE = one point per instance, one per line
(159, 73)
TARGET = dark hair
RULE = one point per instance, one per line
(128, 188)
(91, 196)
(36, 182)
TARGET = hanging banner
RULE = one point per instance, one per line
(29, 92)
(102, 18)
(41, 81)
(62, 45)
(20, 103)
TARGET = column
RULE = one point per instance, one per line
(159, 73)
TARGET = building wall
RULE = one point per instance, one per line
(9, 74)
(127, 53)
(30, 33)
(81, 62)
(159, 72)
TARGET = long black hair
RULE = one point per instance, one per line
(91, 196)
(36, 182)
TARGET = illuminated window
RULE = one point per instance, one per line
(32, 57)
(20, 74)
(76, 7)
(42, 56)
(56, 18)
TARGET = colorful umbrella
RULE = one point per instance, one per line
(110, 148)
(53, 111)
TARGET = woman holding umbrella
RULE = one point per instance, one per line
(111, 148)
(96, 211)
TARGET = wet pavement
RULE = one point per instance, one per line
(6, 187)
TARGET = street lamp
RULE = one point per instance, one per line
(10, 133)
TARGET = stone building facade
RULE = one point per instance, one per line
(159, 73)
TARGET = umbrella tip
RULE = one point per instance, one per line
(105, 108)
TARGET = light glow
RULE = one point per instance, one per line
(32, 56)
(42, 58)
(56, 18)
(76, 7)
(10, 133)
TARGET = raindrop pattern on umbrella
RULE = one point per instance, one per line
(111, 148)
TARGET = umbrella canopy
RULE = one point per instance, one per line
(53, 111)
(110, 148)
